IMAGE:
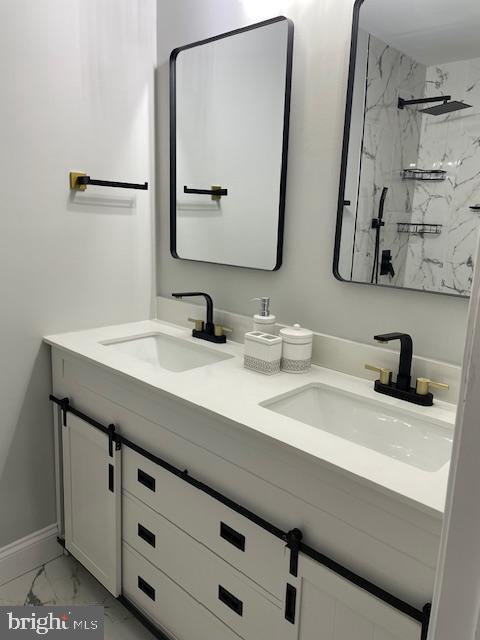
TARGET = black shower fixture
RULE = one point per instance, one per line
(386, 266)
(377, 224)
(448, 105)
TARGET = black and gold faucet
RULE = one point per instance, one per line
(207, 330)
(402, 387)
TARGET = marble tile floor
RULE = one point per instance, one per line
(65, 581)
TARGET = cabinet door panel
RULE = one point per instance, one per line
(92, 501)
(332, 608)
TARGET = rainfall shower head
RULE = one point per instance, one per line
(447, 107)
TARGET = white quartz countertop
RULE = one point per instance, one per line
(227, 389)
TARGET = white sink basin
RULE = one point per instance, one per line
(416, 440)
(167, 352)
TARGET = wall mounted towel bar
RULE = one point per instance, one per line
(80, 180)
(216, 192)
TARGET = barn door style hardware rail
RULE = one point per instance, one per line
(80, 180)
(216, 191)
(293, 538)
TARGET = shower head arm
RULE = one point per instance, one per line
(404, 103)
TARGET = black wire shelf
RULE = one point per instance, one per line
(419, 228)
(435, 175)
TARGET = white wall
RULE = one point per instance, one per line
(77, 93)
(304, 290)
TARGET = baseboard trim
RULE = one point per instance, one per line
(30, 552)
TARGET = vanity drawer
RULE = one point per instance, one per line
(246, 546)
(237, 601)
(165, 604)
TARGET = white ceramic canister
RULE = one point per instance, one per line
(296, 349)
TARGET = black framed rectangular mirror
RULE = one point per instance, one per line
(409, 201)
(229, 120)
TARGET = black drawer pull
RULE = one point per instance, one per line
(146, 480)
(111, 478)
(290, 603)
(146, 588)
(230, 600)
(146, 535)
(232, 536)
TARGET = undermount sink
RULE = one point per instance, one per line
(167, 352)
(404, 436)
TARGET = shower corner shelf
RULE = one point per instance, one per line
(419, 228)
(424, 174)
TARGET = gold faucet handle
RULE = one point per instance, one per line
(198, 323)
(423, 386)
(385, 374)
(220, 330)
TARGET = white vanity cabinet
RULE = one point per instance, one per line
(194, 564)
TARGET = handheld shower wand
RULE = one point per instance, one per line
(377, 224)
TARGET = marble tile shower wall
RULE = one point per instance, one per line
(452, 143)
(390, 143)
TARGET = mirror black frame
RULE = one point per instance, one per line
(343, 168)
(286, 125)
(346, 139)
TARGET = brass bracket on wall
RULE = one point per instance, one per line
(216, 196)
(74, 175)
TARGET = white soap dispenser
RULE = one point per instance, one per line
(264, 321)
